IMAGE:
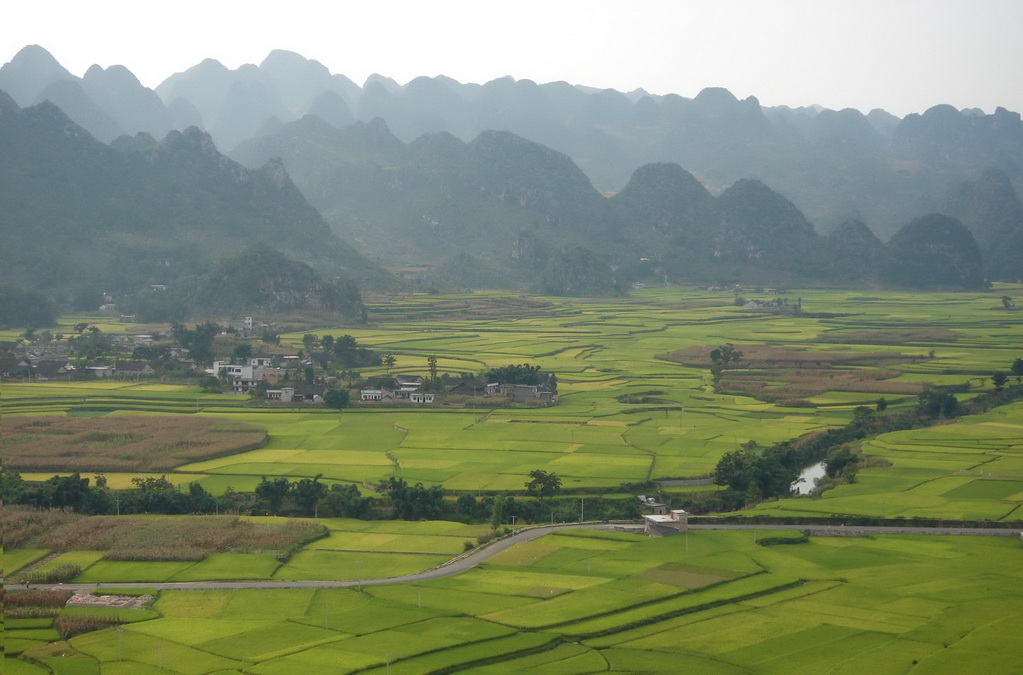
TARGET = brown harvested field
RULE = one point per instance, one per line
(22, 524)
(136, 443)
(794, 373)
(152, 537)
(36, 598)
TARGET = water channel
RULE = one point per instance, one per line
(808, 478)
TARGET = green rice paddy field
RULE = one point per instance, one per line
(582, 602)
(594, 602)
(602, 351)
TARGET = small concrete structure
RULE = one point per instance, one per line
(659, 525)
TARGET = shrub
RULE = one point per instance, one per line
(30, 612)
(57, 575)
(36, 597)
(69, 626)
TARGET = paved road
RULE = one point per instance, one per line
(468, 561)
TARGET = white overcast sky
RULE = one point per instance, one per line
(901, 55)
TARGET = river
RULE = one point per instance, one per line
(808, 478)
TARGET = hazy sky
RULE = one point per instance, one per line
(901, 55)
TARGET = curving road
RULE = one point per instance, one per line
(467, 561)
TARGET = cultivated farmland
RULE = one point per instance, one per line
(585, 602)
(571, 601)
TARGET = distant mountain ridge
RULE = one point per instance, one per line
(507, 204)
(498, 207)
(81, 217)
(834, 165)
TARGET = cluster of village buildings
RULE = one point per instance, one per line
(50, 361)
(280, 376)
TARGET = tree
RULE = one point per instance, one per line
(1017, 370)
(306, 493)
(466, 504)
(414, 503)
(841, 458)
(242, 352)
(1006, 302)
(273, 492)
(67, 492)
(210, 384)
(497, 512)
(938, 403)
(999, 379)
(336, 398)
(202, 500)
(721, 358)
(516, 374)
(735, 469)
(388, 361)
(542, 484)
(308, 341)
(327, 342)
(881, 406)
(150, 484)
(431, 362)
(12, 486)
(862, 412)
(344, 501)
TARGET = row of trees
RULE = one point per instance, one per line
(310, 497)
(345, 350)
(79, 494)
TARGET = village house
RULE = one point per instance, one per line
(396, 388)
(376, 394)
(474, 387)
(407, 384)
(520, 393)
(663, 524)
(46, 369)
(243, 377)
(133, 369)
(300, 393)
(317, 359)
